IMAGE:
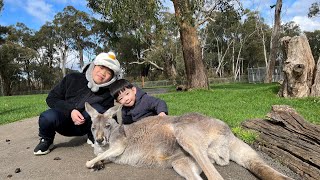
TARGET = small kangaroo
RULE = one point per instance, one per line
(190, 143)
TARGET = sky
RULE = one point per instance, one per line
(34, 13)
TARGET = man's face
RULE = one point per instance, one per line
(127, 97)
(101, 74)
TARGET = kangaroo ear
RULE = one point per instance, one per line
(112, 111)
(90, 110)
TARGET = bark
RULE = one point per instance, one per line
(274, 47)
(169, 67)
(81, 58)
(315, 89)
(298, 68)
(287, 137)
(196, 74)
(64, 60)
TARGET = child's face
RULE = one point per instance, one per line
(101, 74)
(127, 97)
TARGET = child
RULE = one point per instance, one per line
(66, 101)
(136, 103)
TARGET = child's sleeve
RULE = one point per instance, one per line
(158, 105)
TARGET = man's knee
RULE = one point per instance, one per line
(49, 118)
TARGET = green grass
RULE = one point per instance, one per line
(232, 103)
(14, 108)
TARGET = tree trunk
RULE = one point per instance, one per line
(2, 85)
(274, 48)
(287, 137)
(315, 89)
(169, 67)
(81, 58)
(298, 68)
(196, 74)
(64, 60)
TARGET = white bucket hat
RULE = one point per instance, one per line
(108, 60)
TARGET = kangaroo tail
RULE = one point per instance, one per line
(244, 155)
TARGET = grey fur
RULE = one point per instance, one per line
(190, 144)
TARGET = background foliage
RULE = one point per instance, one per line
(147, 42)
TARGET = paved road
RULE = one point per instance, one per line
(18, 139)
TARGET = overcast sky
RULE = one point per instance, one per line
(34, 13)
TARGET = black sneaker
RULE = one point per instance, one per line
(43, 147)
(90, 139)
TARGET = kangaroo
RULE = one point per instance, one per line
(190, 144)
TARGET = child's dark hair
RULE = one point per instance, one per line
(119, 86)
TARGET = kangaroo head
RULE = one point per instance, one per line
(102, 123)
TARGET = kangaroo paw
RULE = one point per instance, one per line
(89, 164)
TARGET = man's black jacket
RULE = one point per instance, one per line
(72, 92)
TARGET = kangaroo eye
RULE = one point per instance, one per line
(107, 126)
(92, 129)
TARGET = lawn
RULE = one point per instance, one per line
(232, 103)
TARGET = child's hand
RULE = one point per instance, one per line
(77, 117)
(162, 114)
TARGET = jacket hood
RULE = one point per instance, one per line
(91, 84)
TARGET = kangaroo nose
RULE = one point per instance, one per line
(99, 140)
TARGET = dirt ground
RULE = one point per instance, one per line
(67, 160)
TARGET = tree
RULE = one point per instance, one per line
(21, 35)
(9, 71)
(47, 65)
(1, 5)
(274, 47)
(196, 74)
(291, 29)
(72, 30)
(82, 24)
(136, 22)
(314, 10)
(142, 16)
(314, 41)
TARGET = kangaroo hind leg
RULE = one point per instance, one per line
(193, 144)
(187, 168)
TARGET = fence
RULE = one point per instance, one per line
(254, 75)
(257, 75)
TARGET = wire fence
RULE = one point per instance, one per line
(257, 75)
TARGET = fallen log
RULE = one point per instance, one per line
(288, 138)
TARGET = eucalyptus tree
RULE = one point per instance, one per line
(82, 24)
(1, 5)
(72, 31)
(22, 36)
(291, 29)
(47, 65)
(275, 45)
(3, 33)
(314, 41)
(10, 70)
(132, 21)
(190, 17)
(223, 36)
(314, 10)
(142, 16)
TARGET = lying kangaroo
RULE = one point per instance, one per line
(189, 143)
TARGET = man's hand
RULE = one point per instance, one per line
(77, 117)
(162, 114)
